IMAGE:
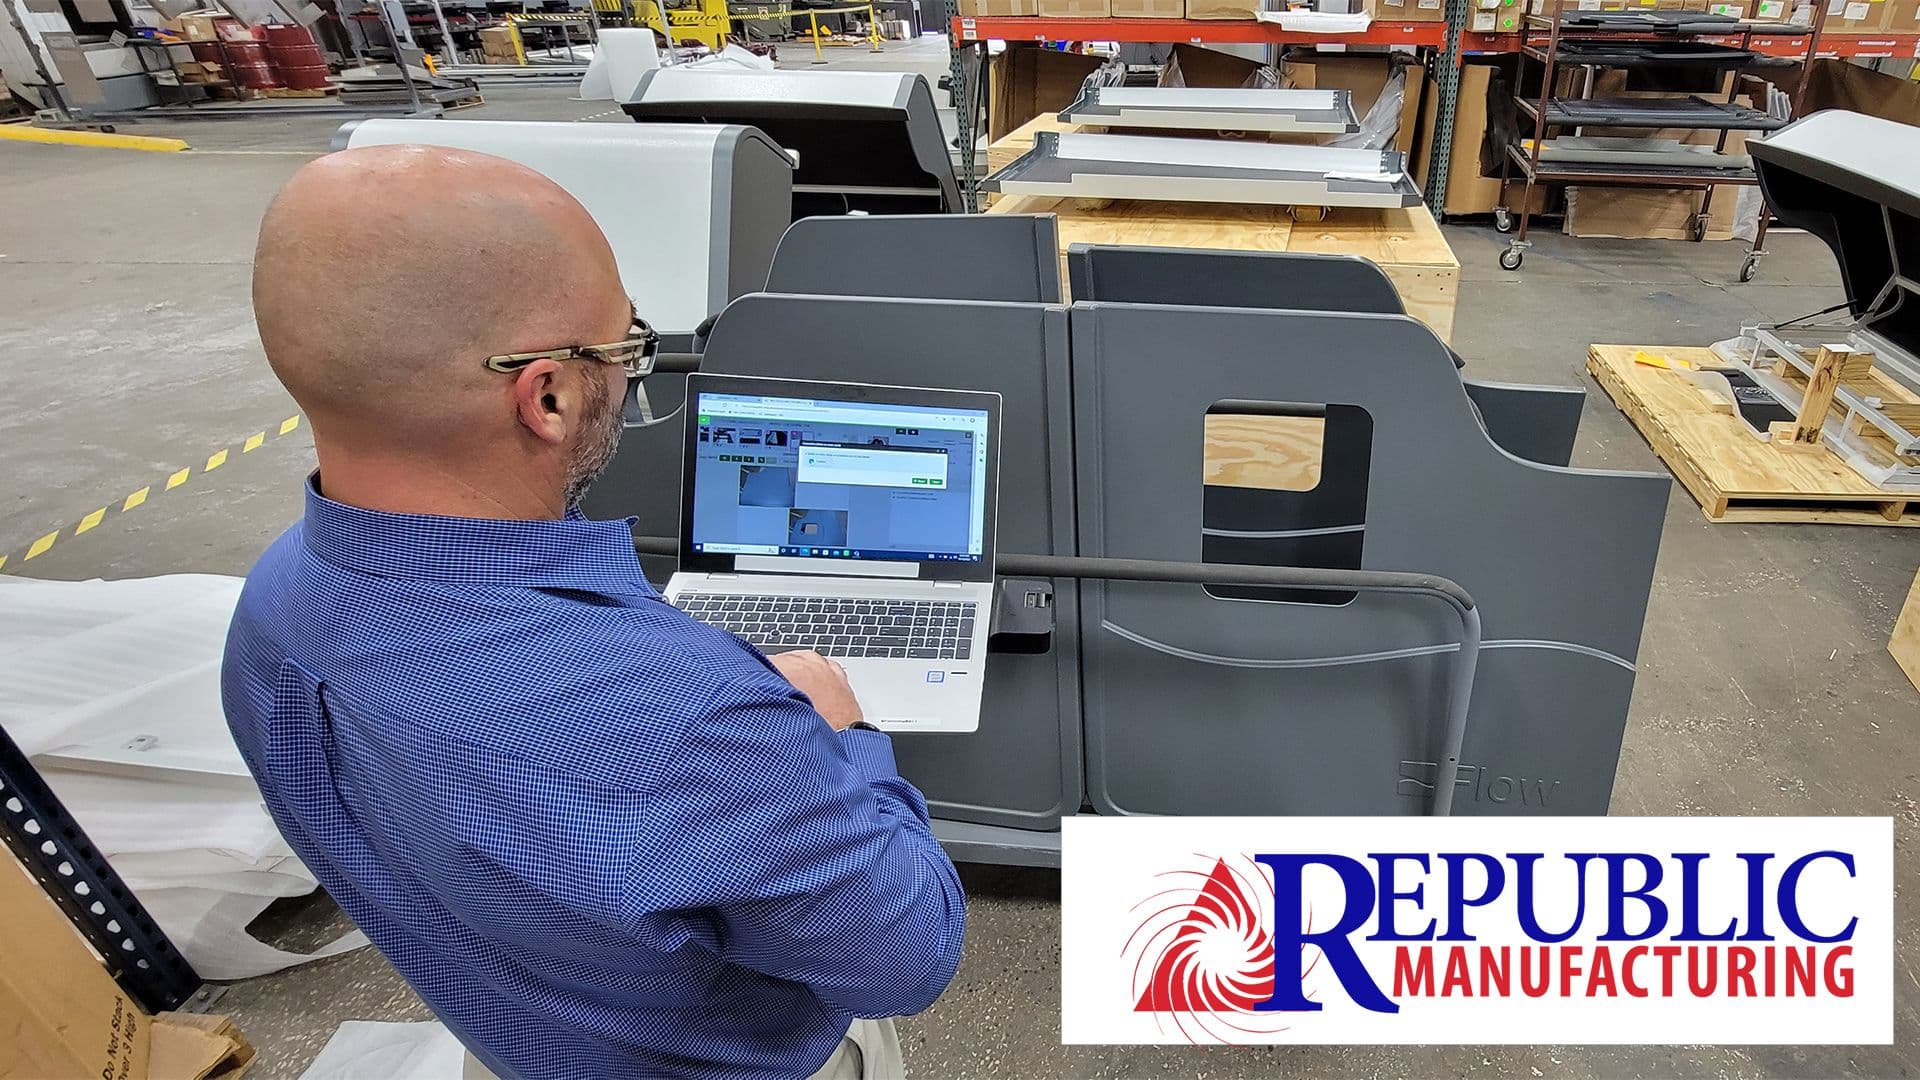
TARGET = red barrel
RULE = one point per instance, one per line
(296, 57)
(207, 52)
(248, 64)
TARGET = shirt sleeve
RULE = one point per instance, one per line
(812, 854)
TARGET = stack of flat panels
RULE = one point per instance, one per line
(1073, 165)
(1687, 112)
(1649, 21)
(1215, 109)
(1611, 150)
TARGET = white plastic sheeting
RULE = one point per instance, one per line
(113, 689)
(365, 1048)
(622, 54)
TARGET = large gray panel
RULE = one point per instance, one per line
(1538, 423)
(1010, 257)
(1023, 767)
(757, 178)
(1199, 705)
(1535, 422)
(1201, 277)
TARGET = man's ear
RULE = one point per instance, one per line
(543, 401)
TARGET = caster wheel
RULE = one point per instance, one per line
(1748, 267)
(1697, 228)
(1502, 220)
(1510, 259)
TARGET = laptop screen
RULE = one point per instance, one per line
(811, 478)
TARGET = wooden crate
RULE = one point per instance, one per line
(1730, 473)
(1905, 643)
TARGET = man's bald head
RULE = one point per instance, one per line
(386, 275)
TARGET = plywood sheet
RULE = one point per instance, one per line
(1274, 453)
(1905, 644)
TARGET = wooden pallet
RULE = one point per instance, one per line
(1733, 475)
(289, 92)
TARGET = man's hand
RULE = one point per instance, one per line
(825, 684)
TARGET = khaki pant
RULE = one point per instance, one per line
(871, 1051)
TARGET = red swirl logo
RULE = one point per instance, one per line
(1203, 957)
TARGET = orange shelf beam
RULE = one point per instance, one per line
(1196, 31)
(1248, 32)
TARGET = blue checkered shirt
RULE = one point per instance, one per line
(599, 838)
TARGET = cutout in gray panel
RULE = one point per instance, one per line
(1286, 485)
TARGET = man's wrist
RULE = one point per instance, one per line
(860, 725)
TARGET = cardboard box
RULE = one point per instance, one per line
(1903, 16)
(1149, 9)
(1468, 192)
(496, 42)
(1076, 9)
(1858, 16)
(1407, 10)
(1026, 80)
(1363, 77)
(1199, 66)
(1646, 213)
(998, 9)
(199, 25)
(1222, 9)
(65, 1016)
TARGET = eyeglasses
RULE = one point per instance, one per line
(635, 353)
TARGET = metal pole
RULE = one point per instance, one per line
(666, 31)
(446, 35)
(873, 29)
(813, 25)
(54, 99)
(957, 55)
(1447, 81)
(388, 11)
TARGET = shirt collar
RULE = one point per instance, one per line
(572, 553)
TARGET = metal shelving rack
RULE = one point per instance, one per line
(1548, 111)
(971, 32)
(1449, 40)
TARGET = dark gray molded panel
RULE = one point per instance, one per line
(759, 183)
(1535, 422)
(1538, 423)
(1316, 710)
(1011, 257)
(1199, 277)
(1023, 767)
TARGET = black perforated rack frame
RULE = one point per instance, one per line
(56, 853)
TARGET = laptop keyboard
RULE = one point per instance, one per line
(900, 629)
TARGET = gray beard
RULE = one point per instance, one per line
(597, 443)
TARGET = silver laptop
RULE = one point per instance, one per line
(854, 520)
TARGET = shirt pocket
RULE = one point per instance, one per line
(299, 758)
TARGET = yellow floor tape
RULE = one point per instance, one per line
(27, 133)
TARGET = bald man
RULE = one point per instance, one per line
(599, 838)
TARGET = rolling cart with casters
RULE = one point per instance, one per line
(1592, 42)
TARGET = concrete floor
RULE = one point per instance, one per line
(127, 352)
